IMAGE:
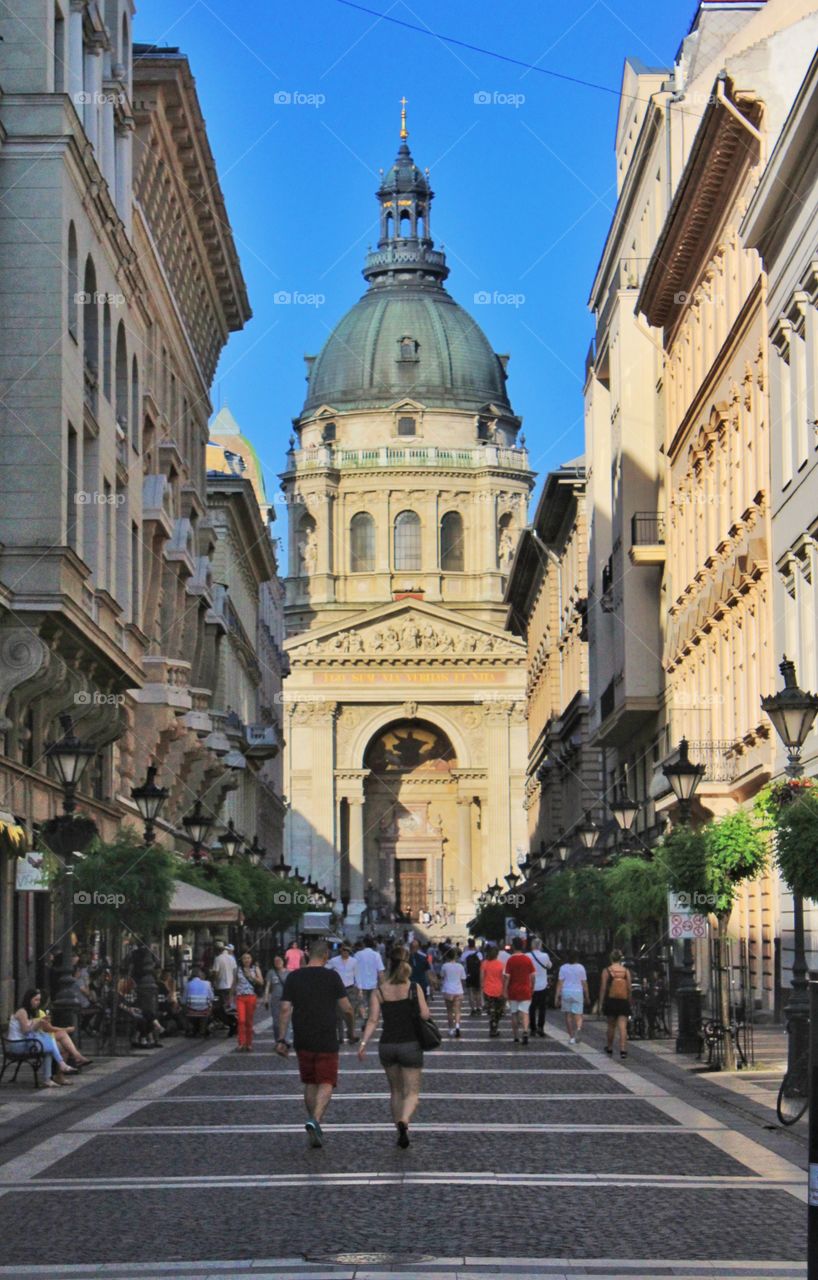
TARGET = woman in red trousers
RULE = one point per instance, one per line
(248, 983)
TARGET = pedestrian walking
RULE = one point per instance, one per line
(399, 1001)
(542, 963)
(368, 968)
(491, 979)
(274, 988)
(471, 959)
(452, 977)
(249, 986)
(294, 957)
(223, 977)
(518, 988)
(572, 992)
(421, 966)
(615, 1002)
(344, 965)
(312, 997)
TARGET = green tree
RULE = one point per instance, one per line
(637, 889)
(788, 812)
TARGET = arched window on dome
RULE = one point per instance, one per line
(405, 224)
(362, 543)
(407, 541)
(421, 222)
(389, 226)
(452, 557)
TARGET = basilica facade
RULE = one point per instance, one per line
(407, 486)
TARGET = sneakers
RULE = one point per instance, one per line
(451, 1033)
(457, 1033)
(525, 1039)
(314, 1133)
(516, 1039)
(571, 1040)
(403, 1134)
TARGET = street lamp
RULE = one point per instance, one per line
(588, 832)
(197, 825)
(282, 868)
(255, 853)
(70, 757)
(512, 880)
(624, 811)
(684, 777)
(149, 800)
(230, 841)
(793, 712)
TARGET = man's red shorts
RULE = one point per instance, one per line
(318, 1068)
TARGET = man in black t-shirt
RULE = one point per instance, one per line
(313, 996)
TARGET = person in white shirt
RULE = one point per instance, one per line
(368, 968)
(452, 975)
(572, 991)
(542, 963)
(223, 975)
(344, 965)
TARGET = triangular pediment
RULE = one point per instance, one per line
(413, 406)
(407, 630)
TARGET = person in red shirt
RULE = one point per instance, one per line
(518, 988)
(491, 982)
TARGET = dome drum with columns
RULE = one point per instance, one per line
(407, 487)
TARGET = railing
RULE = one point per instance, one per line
(648, 529)
(410, 456)
(719, 765)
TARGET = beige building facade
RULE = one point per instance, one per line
(547, 595)
(119, 293)
(407, 489)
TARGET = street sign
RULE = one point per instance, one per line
(683, 920)
(30, 876)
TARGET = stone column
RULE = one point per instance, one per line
(463, 872)
(76, 68)
(122, 196)
(325, 853)
(356, 857)
(499, 815)
(93, 94)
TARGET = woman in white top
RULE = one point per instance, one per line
(572, 992)
(23, 1029)
(453, 975)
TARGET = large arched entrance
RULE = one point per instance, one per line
(410, 798)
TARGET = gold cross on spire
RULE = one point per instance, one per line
(404, 132)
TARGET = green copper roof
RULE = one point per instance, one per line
(406, 337)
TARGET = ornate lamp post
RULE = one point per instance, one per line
(70, 757)
(255, 853)
(149, 800)
(230, 841)
(197, 825)
(624, 811)
(588, 832)
(684, 777)
(793, 712)
(563, 849)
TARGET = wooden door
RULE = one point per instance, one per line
(411, 886)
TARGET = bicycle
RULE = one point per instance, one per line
(793, 1095)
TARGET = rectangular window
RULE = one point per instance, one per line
(109, 536)
(406, 427)
(136, 611)
(72, 462)
(59, 50)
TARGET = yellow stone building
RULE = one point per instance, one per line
(407, 489)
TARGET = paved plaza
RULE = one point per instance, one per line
(544, 1160)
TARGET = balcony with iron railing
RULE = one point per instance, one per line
(388, 457)
(720, 764)
(647, 538)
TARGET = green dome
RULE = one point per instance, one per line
(366, 362)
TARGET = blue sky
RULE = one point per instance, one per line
(524, 181)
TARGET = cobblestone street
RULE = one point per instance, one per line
(544, 1160)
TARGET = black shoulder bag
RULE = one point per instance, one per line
(426, 1029)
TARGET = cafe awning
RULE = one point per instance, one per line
(192, 905)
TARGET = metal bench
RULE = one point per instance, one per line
(33, 1056)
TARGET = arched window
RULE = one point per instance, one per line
(421, 222)
(307, 546)
(135, 415)
(362, 543)
(505, 542)
(106, 352)
(72, 307)
(90, 327)
(121, 388)
(405, 224)
(451, 542)
(407, 541)
(388, 226)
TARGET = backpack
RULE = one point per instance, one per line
(619, 987)
(473, 968)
